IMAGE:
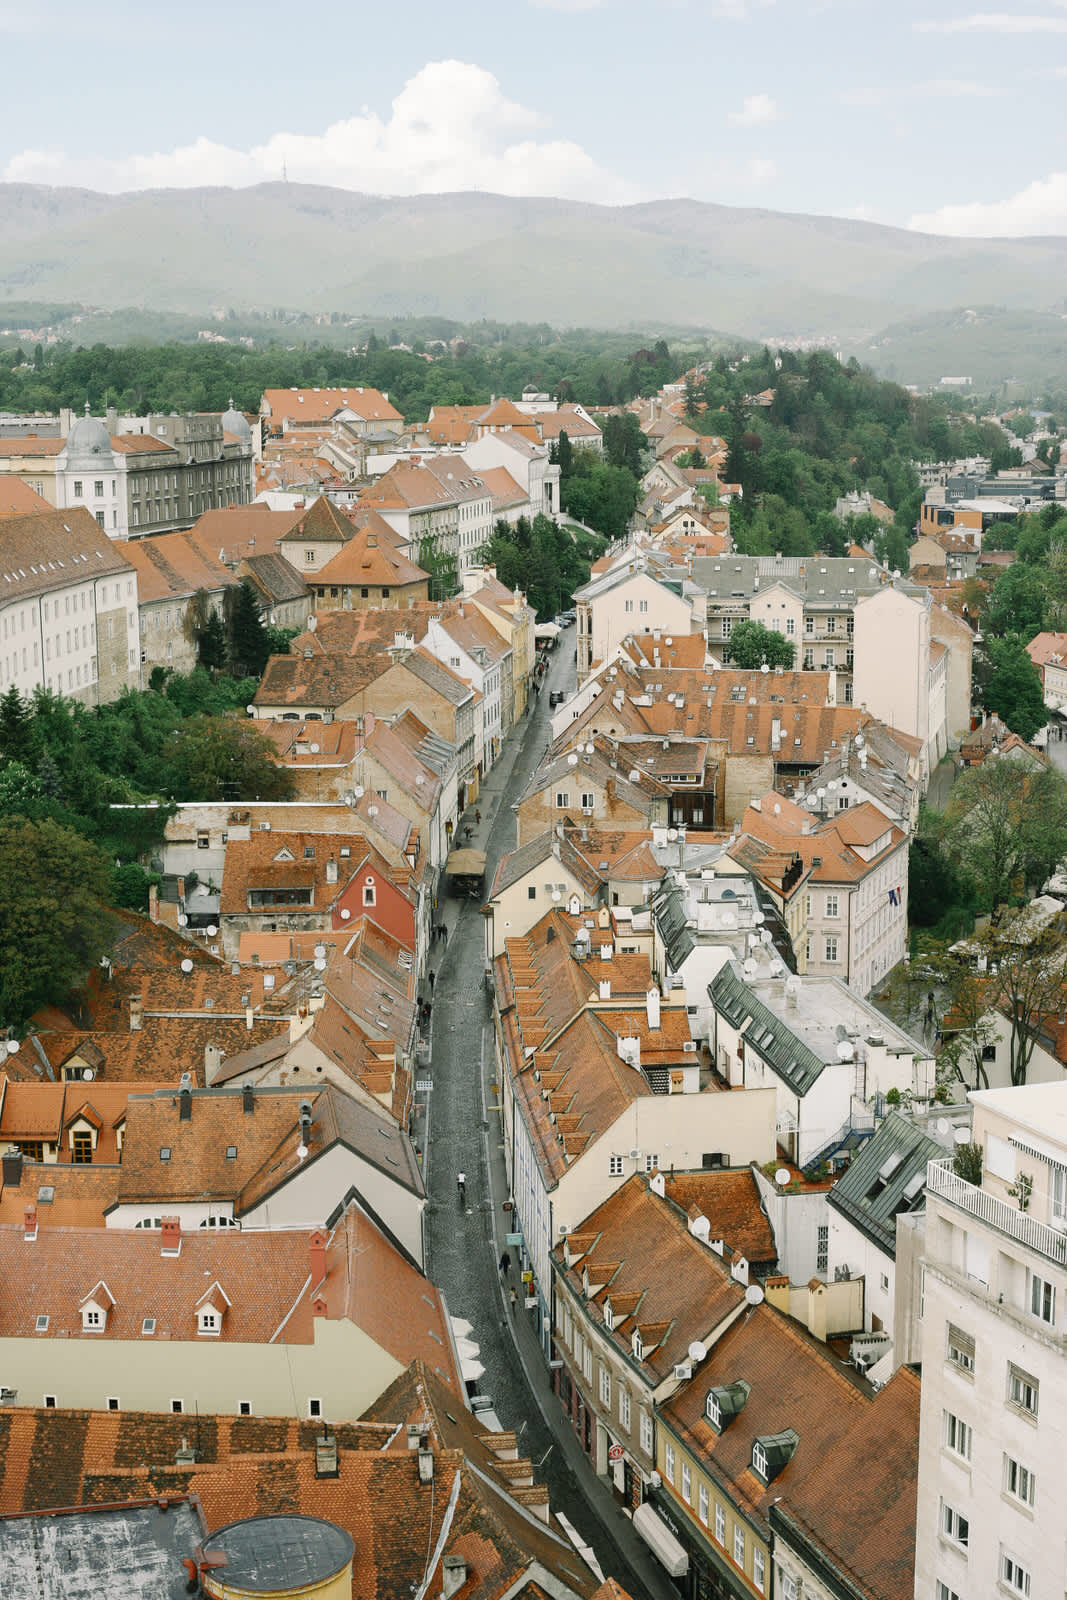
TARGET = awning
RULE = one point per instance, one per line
(547, 630)
(661, 1541)
(471, 1371)
(465, 864)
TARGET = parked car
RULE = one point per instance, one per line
(557, 697)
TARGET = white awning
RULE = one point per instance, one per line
(471, 1371)
(661, 1541)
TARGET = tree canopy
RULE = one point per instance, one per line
(752, 645)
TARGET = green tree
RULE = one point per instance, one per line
(1027, 969)
(15, 723)
(1016, 602)
(752, 645)
(128, 886)
(211, 648)
(224, 758)
(1013, 687)
(624, 443)
(994, 825)
(53, 923)
(973, 1021)
(249, 645)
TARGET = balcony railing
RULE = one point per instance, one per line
(1024, 1229)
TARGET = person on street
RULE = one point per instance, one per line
(512, 1298)
(478, 817)
(431, 977)
(505, 1264)
(461, 1187)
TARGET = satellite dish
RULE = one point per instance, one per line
(251, 710)
(572, 760)
(754, 1295)
(301, 1152)
(961, 1136)
(345, 914)
(88, 1075)
(320, 964)
(12, 1047)
(556, 895)
(942, 1126)
(372, 811)
(212, 929)
(358, 791)
(782, 1177)
(764, 667)
(183, 920)
(187, 965)
(860, 741)
(845, 1050)
(314, 749)
(589, 749)
(697, 1351)
(319, 950)
(668, 640)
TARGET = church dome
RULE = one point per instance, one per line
(88, 443)
(236, 422)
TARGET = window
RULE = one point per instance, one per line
(1042, 1298)
(629, 605)
(1058, 1197)
(727, 626)
(954, 1527)
(789, 1587)
(720, 1524)
(624, 1408)
(605, 1387)
(758, 1569)
(309, 557)
(958, 1435)
(822, 1259)
(164, 1152)
(1022, 1390)
(1013, 1575)
(177, 1406)
(712, 1411)
(148, 1326)
(831, 905)
(615, 1166)
(77, 488)
(50, 1402)
(945, 1593)
(809, 625)
(563, 799)
(531, 893)
(960, 1349)
(314, 1408)
(830, 951)
(739, 1545)
(646, 1432)
(668, 1462)
(81, 1146)
(759, 1459)
(244, 1408)
(98, 486)
(790, 627)
(702, 1503)
(113, 1402)
(588, 799)
(687, 1484)
(368, 894)
(1018, 1481)
(884, 1282)
(92, 1319)
(642, 606)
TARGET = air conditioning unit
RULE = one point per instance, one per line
(842, 1274)
(587, 811)
(683, 1372)
(635, 1155)
(689, 1047)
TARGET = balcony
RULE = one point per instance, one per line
(1016, 1224)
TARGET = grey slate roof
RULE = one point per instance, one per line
(668, 909)
(795, 1063)
(888, 1175)
(276, 577)
(821, 581)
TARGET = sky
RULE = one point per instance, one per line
(927, 114)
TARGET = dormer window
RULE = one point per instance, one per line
(210, 1310)
(773, 1451)
(95, 1307)
(637, 1346)
(759, 1460)
(609, 1316)
(713, 1411)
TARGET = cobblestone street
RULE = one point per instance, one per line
(459, 1130)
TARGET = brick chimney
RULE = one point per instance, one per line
(317, 1247)
(136, 1012)
(185, 1098)
(29, 1224)
(170, 1236)
(331, 870)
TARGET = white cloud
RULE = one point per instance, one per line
(1039, 208)
(567, 5)
(994, 22)
(450, 127)
(956, 88)
(761, 170)
(756, 112)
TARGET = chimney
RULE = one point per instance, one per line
(652, 1007)
(326, 1464)
(170, 1236)
(29, 1224)
(185, 1456)
(425, 1466)
(212, 1063)
(331, 870)
(317, 1247)
(305, 1123)
(136, 1012)
(153, 903)
(605, 989)
(185, 1098)
(11, 1169)
(453, 1576)
(250, 1017)
(248, 1099)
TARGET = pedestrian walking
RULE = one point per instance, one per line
(512, 1298)
(431, 978)
(478, 817)
(461, 1187)
(505, 1264)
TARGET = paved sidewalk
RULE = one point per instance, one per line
(459, 1130)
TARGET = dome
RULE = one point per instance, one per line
(88, 443)
(236, 422)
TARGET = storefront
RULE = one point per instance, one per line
(706, 1575)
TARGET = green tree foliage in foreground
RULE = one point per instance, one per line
(53, 923)
(1005, 828)
(543, 559)
(752, 645)
(1008, 683)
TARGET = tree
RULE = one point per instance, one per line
(1017, 602)
(249, 645)
(211, 644)
(752, 645)
(15, 721)
(1012, 688)
(224, 758)
(1028, 979)
(624, 443)
(972, 1022)
(53, 922)
(936, 887)
(995, 826)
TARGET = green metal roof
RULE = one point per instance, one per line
(888, 1175)
(767, 1035)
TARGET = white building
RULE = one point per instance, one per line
(994, 1316)
(528, 464)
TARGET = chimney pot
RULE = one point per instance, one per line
(248, 1099)
(29, 1232)
(136, 1012)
